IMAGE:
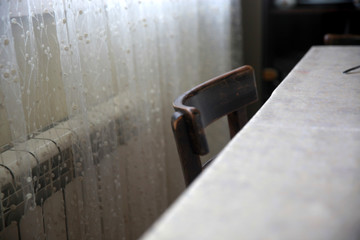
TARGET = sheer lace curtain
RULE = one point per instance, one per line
(85, 106)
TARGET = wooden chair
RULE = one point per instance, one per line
(228, 94)
(341, 39)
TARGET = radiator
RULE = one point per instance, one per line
(57, 187)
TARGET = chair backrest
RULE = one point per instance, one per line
(228, 94)
(341, 39)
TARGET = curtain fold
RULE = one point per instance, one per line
(85, 107)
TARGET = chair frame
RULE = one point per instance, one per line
(341, 39)
(228, 94)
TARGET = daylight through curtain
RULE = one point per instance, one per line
(85, 104)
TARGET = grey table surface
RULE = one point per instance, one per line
(293, 172)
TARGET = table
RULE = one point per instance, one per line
(293, 172)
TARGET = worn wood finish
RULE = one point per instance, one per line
(228, 94)
(342, 39)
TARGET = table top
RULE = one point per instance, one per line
(293, 172)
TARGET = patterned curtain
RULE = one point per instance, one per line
(85, 105)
